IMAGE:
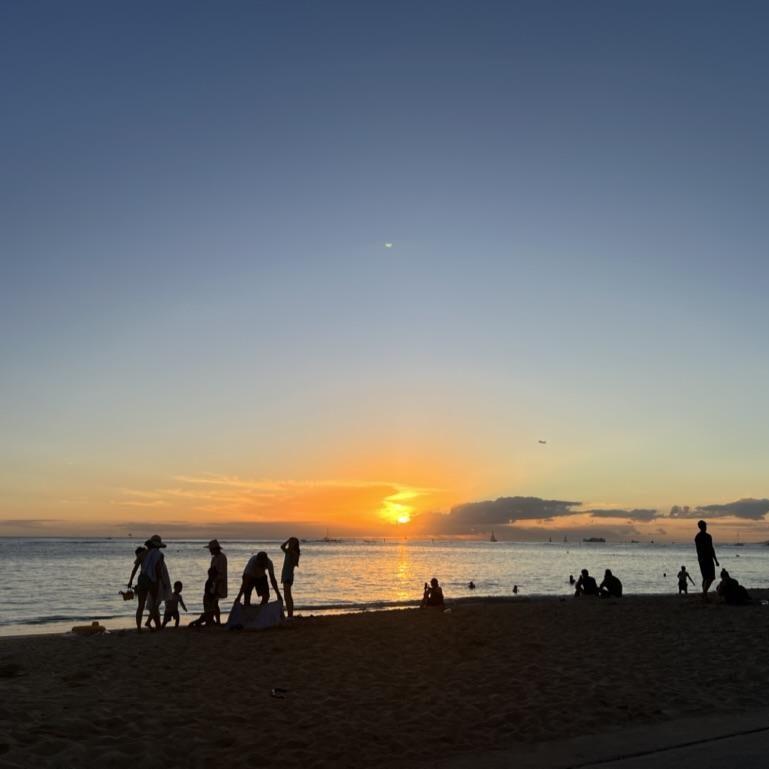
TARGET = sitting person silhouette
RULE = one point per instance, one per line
(433, 595)
(586, 585)
(611, 587)
(732, 591)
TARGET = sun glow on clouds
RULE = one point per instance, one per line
(396, 508)
(333, 502)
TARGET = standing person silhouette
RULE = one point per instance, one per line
(291, 555)
(683, 585)
(149, 582)
(219, 565)
(706, 555)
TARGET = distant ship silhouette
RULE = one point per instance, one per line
(492, 538)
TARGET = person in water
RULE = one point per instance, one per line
(683, 584)
(291, 553)
(732, 591)
(433, 595)
(586, 585)
(706, 556)
(258, 568)
(572, 581)
(172, 605)
(610, 587)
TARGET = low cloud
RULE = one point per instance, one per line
(752, 509)
(471, 516)
(636, 514)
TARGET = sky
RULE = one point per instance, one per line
(298, 267)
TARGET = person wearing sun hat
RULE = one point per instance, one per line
(148, 584)
(219, 565)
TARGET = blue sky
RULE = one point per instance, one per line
(193, 276)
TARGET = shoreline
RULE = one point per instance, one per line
(340, 610)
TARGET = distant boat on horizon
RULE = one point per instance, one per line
(594, 539)
(492, 538)
(329, 539)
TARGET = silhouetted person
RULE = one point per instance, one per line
(683, 585)
(210, 602)
(258, 569)
(219, 565)
(433, 595)
(291, 555)
(471, 586)
(140, 552)
(172, 605)
(586, 585)
(610, 587)
(706, 556)
(572, 581)
(732, 591)
(515, 589)
(148, 583)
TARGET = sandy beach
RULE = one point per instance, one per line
(407, 688)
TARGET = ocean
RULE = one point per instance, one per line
(49, 585)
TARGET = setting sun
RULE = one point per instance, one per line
(394, 508)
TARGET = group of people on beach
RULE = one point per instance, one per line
(153, 584)
(728, 588)
(610, 586)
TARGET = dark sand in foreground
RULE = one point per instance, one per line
(387, 688)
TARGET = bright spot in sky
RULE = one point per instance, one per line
(395, 510)
(388, 245)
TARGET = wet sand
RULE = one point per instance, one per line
(407, 688)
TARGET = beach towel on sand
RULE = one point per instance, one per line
(255, 617)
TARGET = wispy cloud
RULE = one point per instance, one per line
(269, 499)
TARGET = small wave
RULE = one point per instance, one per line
(353, 606)
(50, 619)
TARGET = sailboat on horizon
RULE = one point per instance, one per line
(492, 538)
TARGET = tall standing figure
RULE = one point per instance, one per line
(291, 555)
(219, 565)
(706, 555)
(149, 582)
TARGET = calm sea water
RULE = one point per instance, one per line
(50, 584)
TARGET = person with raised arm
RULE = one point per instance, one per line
(433, 595)
(291, 553)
